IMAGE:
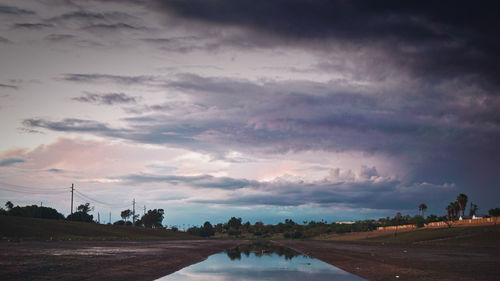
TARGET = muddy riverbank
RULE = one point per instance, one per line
(149, 260)
(102, 260)
(404, 262)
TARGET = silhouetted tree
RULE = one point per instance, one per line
(473, 209)
(422, 207)
(456, 209)
(85, 208)
(153, 218)
(82, 214)
(9, 205)
(138, 222)
(207, 230)
(494, 213)
(33, 211)
(125, 214)
(449, 209)
(432, 218)
(234, 223)
(462, 201)
(418, 221)
(233, 226)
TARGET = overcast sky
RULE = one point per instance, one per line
(265, 110)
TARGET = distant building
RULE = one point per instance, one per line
(345, 222)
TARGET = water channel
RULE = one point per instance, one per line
(260, 261)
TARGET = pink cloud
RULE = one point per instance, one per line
(84, 158)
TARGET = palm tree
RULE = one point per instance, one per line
(473, 209)
(450, 210)
(462, 201)
(456, 209)
(422, 207)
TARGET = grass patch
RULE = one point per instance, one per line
(473, 236)
(21, 228)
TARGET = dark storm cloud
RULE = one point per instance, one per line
(365, 20)
(441, 39)
(203, 181)
(151, 131)
(54, 170)
(10, 10)
(4, 40)
(183, 44)
(283, 193)
(311, 116)
(9, 86)
(311, 19)
(91, 17)
(374, 193)
(96, 21)
(106, 99)
(441, 133)
(71, 125)
(58, 37)
(34, 26)
(105, 78)
(10, 161)
(111, 27)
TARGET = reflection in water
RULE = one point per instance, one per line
(260, 261)
(259, 249)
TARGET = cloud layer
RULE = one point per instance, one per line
(353, 105)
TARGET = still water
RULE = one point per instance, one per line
(260, 262)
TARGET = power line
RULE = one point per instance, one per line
(53, 191)
(29, 188)
(31, 191)
(99, 201)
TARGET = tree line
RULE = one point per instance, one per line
(234, 227)
(151, 219)
(290, 229)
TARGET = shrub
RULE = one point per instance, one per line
(234, 232)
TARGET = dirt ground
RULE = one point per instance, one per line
(102, 260)
(149, 260)
(360, 235)
(404, 262)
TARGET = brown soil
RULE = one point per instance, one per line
(102, 260)
(362, 235)
(149, 260)
(404, 262)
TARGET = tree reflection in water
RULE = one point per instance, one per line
(259, 249)
(261, 260)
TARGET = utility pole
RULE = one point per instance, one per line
(109, 217)
(144, 210)
(98, 218)
(72, 189)
(133, 211)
